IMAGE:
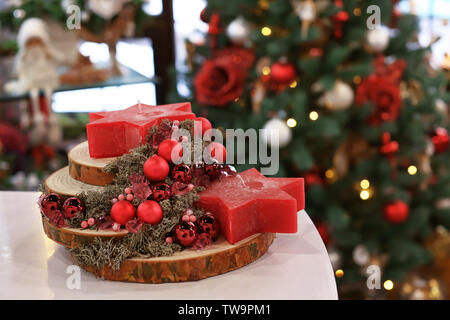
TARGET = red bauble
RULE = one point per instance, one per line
(210, 225)
(206, 125)
(396, 211)
(204, 16)
(50, 204)
(156, 168)
(186, 233)
(212, 170)
(171, 150)
(182, 173)
(322, 228)
(440, 140)
(122, 212)
(217, 151)
(282, 73)
(161, 191)
(150, 212)
(72, 206)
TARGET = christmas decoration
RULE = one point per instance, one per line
(440, 140)
(276, 127)
(324, 233)
(376, 40)
(396, 211)
(182, 173)
(361, 255)
(307, 13)
(205, 124)
(50, 203)
(72, 206)
(150, 212)
(161, 191)
(340, 97)
(129, 127)
(216, 152)
(421, 286)
(186, 233)
(282, 73)
(339, 19)
(122, 211)
(170, 150)
(105, 8)
(156, 168)
(210, 225)
(238, 31)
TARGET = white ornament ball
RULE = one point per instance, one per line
(276, 133)
(377, 40)
(335, 258)
(238, 31)
(361, 255)
(340, 97)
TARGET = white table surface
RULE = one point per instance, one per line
(296, 266)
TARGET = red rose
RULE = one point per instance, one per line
(385, 95)
(221, 79)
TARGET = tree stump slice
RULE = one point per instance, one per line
(189, 264)
(86, 169)
(73, 238)
(62, 183)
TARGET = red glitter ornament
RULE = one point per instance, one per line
(50, 204)
(122, 211)
(186, 233)
(150, 212)
(210, 225)
(171, 150)
(440, 140)
(182, 173)
(282, 73)
(396, 211)
(72, 206)
(161, 191)
(212, 170)
(156, 168)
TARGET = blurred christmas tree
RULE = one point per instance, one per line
(360, 113)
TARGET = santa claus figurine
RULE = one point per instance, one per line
(36, 66)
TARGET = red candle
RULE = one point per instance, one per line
(251, 203)
(114, 133)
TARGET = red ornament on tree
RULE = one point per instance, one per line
(182, 173)
(210, 225)
(322, 228)
(339, 19)
(217, 151)
(440, 140)
(171, 150)
(122, 211)
(205, 124)
(186, 233)
(282, 73)
(150, 212)
(161, 191)
(156, 168)
(396, 211)
(388, 147)
(72, 206)
(50, 204)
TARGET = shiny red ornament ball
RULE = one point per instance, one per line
(122, 212)
(182, 173)
(161, 191)
(72, 206)
(171, 150)
(186, 233)
(210, 225)
(396, 211)
(206, 125)
(150, 212)
(50, 204)
(440, 140)
(217, 151)
(156, 168)
(282, 73)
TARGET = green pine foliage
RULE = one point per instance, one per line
(351, 221)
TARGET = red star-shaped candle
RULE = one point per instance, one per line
(114, 133)
(250, 203)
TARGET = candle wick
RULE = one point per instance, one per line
(139, 106)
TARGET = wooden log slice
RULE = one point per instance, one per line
(189, 264)
(62, 183)
(86, 169)
(72, 238)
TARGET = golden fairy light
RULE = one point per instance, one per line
(388, 285)
(412, 170)
(365, 184)
(266, 31)
(266, 70)
(357, 12)
(293, 84)
(339, 273)
(313, 115)
(364, 195)
(357, 79)
(291, 122)
(330, 173)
